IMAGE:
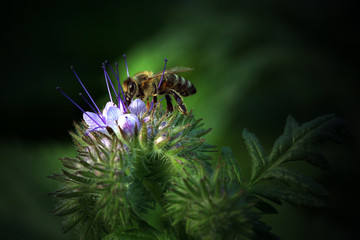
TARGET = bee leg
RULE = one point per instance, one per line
(179, 102)
(169, 103)
(147, 105)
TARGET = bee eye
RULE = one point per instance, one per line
(132, 87)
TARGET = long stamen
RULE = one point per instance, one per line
(59, 89)
(127, 69)
(162, 76)
(72, 68)
(117, 76)
(107, 84)
(107, 78)
(101, 117)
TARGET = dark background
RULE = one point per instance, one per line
(254, 64)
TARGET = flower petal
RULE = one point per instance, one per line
(114, 126)
(113, 113)
(127, 123)
(137, 107)
(93, 120)
(106, 108)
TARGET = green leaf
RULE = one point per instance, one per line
(71, 223)
(76, 178)
(264, 207)
(314, 158)
(136, 234)
(143, 136)
(229, 166)
(66, 209)
(286, 174)
(256, 151)
(297, 138)
(201, 133)
(288, 195)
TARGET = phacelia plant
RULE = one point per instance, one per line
(143, 172)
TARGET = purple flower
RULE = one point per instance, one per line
(127, 123)
(115, 117)
(137, 107)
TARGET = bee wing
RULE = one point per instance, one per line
(172, 70)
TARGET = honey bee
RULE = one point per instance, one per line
(145, 84)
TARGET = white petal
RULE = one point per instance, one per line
(106, 108)
(137, 107)
(92, 120)
(127, 123)
(113, 113)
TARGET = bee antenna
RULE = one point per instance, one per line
(162, 76)
(59, 89)
(127, 69)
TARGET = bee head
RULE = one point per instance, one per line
(130, 89)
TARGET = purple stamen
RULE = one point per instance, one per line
(72, 67)
(117, 69)
(127, 69)
(59, 89)
(107, 84)
(117, 76)
(162, 76)
(100, 116)
(107, 78)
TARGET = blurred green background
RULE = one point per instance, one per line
(254, 63)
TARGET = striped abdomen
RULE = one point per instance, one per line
(181, 85)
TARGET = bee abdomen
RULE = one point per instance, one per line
(181, 85)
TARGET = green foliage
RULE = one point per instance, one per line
(162, 184)
(294, 145)
(212, 206)
(116, 183)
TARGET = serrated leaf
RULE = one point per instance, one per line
(264, 207)
(231, 165)
(289, 195)
(256, 151)
(299, 137)
(314, 158)
(291, 175)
